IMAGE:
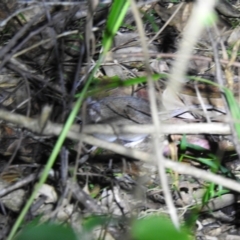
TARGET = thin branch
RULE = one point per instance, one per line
(25, 50)
(175, 166)
(166, 23)
(55, 128)
(142, 156)
(21, 183)
(121, 57)
(184, 128)
(156, 122)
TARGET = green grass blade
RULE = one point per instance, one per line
(100, 85)
(114, 21)
(51, 160)
(115, 18)
(234, 109)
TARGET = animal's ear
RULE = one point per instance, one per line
(93, 112)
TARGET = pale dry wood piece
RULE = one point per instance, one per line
(54, 129)
(74, 135)
(154, 112)
(178, 167)
(191, 35)
(167, 128)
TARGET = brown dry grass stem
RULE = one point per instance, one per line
(154, 112)
(55, 129)
(122, 57)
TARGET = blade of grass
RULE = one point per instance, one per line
(117, 14)
(231, 102)
(52, 157)
(115, 18)
(234, 109)
(113, 82)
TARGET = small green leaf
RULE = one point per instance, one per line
(157, 228)
(234, 109)
(183, 143)
(94, 221)
(47, 231)
(113, 82)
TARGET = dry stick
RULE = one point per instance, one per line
(92, 4)
(170, 55)
(4, 22)
(27, 71)
(18, 35)
(175, 166)
(8, 56)
(152, 97)
(21, 133)
(185, 128)
(58, 54)
(55, 128)
(200, 99)
(52, 3)
(90, 204)
(220, 81)
(81, 196)
(25, 50)
(32, 124)
(21, 183)
(191, 33)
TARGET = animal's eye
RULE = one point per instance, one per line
(94, 115)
